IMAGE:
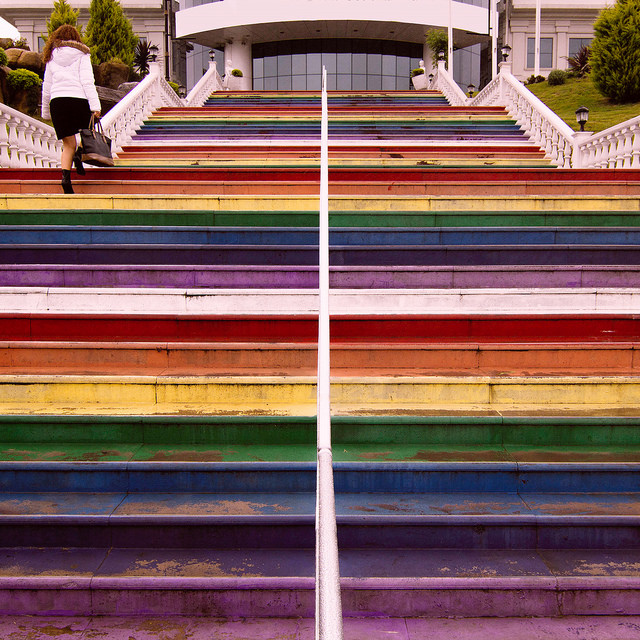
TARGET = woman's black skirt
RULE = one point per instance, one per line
(69, 115)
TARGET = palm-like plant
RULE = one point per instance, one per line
(142, 57)
(579, 63)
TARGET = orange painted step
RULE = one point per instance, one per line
(134, 358)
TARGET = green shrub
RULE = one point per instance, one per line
(615, 51)
(22, 80)
(3, 58)
(557, 77)
(63, 13)
(109, 33)
(417, 72)
(237, 73)
(175, 86)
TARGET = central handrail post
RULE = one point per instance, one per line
(328, 604)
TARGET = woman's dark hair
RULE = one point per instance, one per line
(64, 33)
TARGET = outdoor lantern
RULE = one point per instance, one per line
(470, 90)
(212, 55)
(153, 52)
(506, 50)
(431, 77)
(582, 116)
(440, 55)
(182, 91)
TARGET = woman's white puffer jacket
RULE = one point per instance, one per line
(69, 74)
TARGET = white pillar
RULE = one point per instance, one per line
(429, 60)
(536, 68)
(450, 39)
(494, 18)
(237, 55)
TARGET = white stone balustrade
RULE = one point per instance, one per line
(210, 82)
(121, 122)
(26, 142)
(614, 148)
(540, 123)
(443, 81)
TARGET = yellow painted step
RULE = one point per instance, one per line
(336, 203)
(297, 395)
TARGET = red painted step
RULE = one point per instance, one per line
(355, 329)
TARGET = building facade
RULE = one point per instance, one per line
(148, 19)
(364, 44)
(565, 25)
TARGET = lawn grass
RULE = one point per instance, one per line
(564, 99)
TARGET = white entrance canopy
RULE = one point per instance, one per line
(7, 30)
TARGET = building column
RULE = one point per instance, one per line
(562, 45)
(429, 60)
(29, 32)
(237, 55)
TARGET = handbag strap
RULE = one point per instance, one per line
(95, 123)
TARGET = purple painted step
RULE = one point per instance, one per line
(206, 628)
(374, 255)
(250, 582)
(302, 277)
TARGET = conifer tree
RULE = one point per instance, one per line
(63, 13)
(109, 33)
(615, 51)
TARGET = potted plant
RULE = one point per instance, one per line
(419, 78)
(234, 80)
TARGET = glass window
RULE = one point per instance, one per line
(314, 63)
(359, 63)
(388, 65)
(271, 67)
(299, 83)
(546, 53)
(374, 64)
(575, 44)
(284, 65)
(298, 64)
(330, 61)
(351, 64)
(359, 82)
(344, 63)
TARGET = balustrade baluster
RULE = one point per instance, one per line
(4, 140)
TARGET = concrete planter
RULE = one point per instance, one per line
(419, 81)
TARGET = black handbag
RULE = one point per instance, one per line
(96, 147)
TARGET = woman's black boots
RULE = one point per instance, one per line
(66, 181)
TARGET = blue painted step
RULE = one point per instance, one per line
(395, 236)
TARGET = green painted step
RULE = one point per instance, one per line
(170, 217)
(278, 431)
(343, 452)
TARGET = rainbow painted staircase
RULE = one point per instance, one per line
(157, 379)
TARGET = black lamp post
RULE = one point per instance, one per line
(582, 116)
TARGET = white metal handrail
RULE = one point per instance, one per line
(153, 92)
(328, 604)
(210, 82)
(26, 142)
